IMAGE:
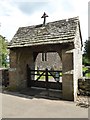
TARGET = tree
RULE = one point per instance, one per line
(87, 49)
(86, 55)
(3, 51)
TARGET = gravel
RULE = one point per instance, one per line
(83, 101)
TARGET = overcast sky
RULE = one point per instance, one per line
(17, 13)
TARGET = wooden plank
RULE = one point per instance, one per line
(42, 84)
(28, 76)
(38, 70)
(48, 70)
(39, 76)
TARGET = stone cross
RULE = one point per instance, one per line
(44, 16)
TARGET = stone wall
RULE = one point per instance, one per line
(4, 77)
(78, 55)
(53, 61)
(77, 61)
(84, 86)
(0, 76)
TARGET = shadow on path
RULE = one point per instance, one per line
(31, 93)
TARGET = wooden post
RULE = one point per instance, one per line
(46, 78)
(28, 76)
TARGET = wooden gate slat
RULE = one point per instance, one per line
(43, 84)
(52, 85)
(39, 76)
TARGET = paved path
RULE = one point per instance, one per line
(21, 107)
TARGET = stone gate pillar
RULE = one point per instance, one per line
(68, 81)
(19, 58)
(13, 83)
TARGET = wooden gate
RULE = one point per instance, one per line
(49, 79)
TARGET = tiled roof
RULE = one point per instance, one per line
(61, 31)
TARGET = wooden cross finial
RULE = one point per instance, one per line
(44, 16)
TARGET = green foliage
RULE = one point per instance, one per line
(86, 55)
(85, 60)
(3, 51)
(87, 71)
(87, 49)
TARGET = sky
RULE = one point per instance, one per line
(20, 13)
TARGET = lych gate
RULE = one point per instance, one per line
(63, 37)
